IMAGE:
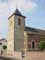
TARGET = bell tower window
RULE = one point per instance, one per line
(19, 21)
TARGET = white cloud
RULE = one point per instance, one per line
(10, 6)
(3, 9)
(23, 5)
(3, 19)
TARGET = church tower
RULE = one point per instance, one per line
(16, 24)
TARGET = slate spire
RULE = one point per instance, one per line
(17, 12)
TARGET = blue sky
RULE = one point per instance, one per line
(34, 10)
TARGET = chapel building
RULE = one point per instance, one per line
(21, 37)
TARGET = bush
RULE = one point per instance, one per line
(42, 45)
(4, 47)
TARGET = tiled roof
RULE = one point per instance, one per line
(2, 39)
(31, 29)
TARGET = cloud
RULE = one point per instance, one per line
(3, 9)
(9, 6)
(27, 5)
(23, 5)
(3, 19)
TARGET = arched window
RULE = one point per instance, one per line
(33, 44)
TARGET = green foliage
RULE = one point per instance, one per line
(42, 45)
(4, 47)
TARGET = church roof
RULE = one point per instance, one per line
(17, 12)
(31, 29)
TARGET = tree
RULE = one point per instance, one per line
(4, 47)
(42, 45)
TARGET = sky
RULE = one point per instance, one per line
(34, 10)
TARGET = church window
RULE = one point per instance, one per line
(19, 22)
(33, 44)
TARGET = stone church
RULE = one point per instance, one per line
(21, 37)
